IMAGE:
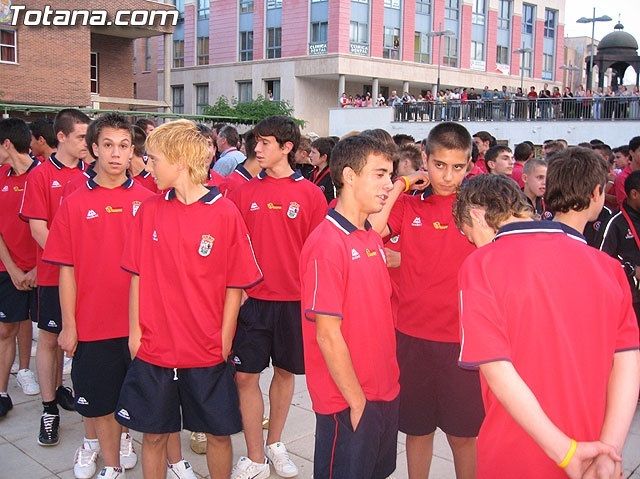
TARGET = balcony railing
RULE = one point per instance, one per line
(542, 109)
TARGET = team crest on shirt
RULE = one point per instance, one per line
(293, 210)
(134, 207)
(206, 244)
(629, 234)
(597, 225)
(395, 239)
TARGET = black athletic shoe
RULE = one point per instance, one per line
(49, 426)
(64, 398)
(5, 405)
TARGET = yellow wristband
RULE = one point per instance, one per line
(567, 458)
(407, 183)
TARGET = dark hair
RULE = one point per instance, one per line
(139, 137)
(144, 123)
(17, 132)
(632, 182)
(498, 195)
(305, 144)
(449, 136)
(43, 127)
(522, 151)
(324, 146)
(572, 176)
(486, 136)
(283, 129)
(411, 152)
(624, 149)
(353, 152)
(596, 141)
(585, 144)
(634, 143)
(67, 119)
(493, 153)
(475, 152)
(250, 144)
(205, 130)
(401, 138)
(230, 134)
(380, 134)
(552, 147)
(106, 120)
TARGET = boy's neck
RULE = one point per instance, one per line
(348, 208)
(252, 166)
(322, 166)
(529, 194)
(137, 165)
(576, 219)
(282, 169)
(188, 192)
(66, 159)
(20, 163)
(108, 181)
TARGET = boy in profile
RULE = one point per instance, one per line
(571, 422)
(499, 160)
(534, 176)
(190, 256)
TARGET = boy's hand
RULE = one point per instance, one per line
(134, 345)
(68, 341)
(17, 278)
(603, 467)
(30, 279)
(418, 180)
(585, 454)
(393, 258)
(356, 412)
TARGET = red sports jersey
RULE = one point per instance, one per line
(618, 186)
(78, 181)
(89, 233)
(280, 214)
(43, 192)
(432, 251)
(343, 273)
(215, 178)
(145, 179)
(516, 174)
(15, 233)
(518, 304)
(238, 177)
(186, 257)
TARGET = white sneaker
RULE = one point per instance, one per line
(128, 456)
(27, 381)
(66, 369)
(111, 473)
(245, 468)
(279, 457)
(181, 470)
(84, 463)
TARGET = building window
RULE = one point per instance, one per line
(392, 4)
(359, 33)
(94, 72)
(504, 14)
(274, 42)
(246, 46)
(550, 23)
(477, 51)
(452, 9)
(244, 91)
(319, 32)
(272, 88)
(147, 54)
(179, 4)
(450, 51)
(177, 102)
(203, 50)
(423, 7)
(202, 98)
(203, 9)
(528, 17)
(360, 1)
(391, 45)
(274, 4)
(527, 63)
(502, 55)
(246, 6)
(422, 48)
(178, 53)
(547, 67)
(8, 46)
(478, 12)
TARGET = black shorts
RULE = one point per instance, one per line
(369, 452)
(159, 400)
(49, 315)
(269, 330)
(15, 305)
(99, 369)
(435, 391)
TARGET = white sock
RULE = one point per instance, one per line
(91, 444)
(4, 394)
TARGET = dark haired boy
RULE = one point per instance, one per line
(534, 176)
(147, 125)
(521, 154)
(280, 209)
(43, 139)
(349, 339)
(634, 165)
(499, 160)
(138, 165)
(591, 345)
(321, 160)
(95, 323)
(483, 140)
(434, 391)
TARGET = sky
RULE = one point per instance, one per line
(624, 10)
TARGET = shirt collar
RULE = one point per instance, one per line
(426, 193)
(530, 227)
(296, 176)
(208, 199)
(91, 183)
(34, 163)
(343, 224)
(144, 174)
(59, 165)
(242, 171)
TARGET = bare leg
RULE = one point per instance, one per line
(108, 431)
(90, 427)
(219, 456)
(47, 363)
(59, 364)
(8, 332)
(252, 409)
(419, 454)
(280, 396)
(154, 456)
(464, 456)
(174, 449)
(24, 343)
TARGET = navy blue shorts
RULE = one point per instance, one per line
(15, 305)
(369, 452)
(268, 330)
(435, 391)
(159, 400)
(49, 315)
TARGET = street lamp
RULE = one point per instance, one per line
(570, 68)
(592, 20)
(522, 51)
(441, 33)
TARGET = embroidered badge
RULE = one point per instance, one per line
(293, 210)
(134, 207)
(206, 244)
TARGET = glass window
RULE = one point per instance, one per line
(527, 63)
(147, 54)
(452, 9)
(477, 51)
(391, 43)
(246, 6)
(502, 55)
(423, 7)
(450, 51)
(478, 12)
(203, 9)
(274, 42)
(528, 17)
(8, 46)
(422, 48)
(550, 23)
(504, 14)
(178, 53)
(203, 50)
(94, 72)
(392, 4)
(359, 33)
(319, 32)
(272, 88)
(360, 1)
(274, 4)
(202, 98)
(177, 99)
(244, 91)
(547, 67)
(246, 46)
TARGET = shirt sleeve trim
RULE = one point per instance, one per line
(57, 263)
(246, 286)
(130, 271)
(26, 218)
(312, 311)
(628, 348)
(477, 364)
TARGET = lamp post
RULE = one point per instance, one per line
(592, 20)
(441, 33)
(570, 68)
(522, 51)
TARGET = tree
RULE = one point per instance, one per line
(251, 111)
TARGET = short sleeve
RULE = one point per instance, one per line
(323, 288)
(133, 246)
(483, 329)
(34, 201)
(627, 336)
(397, 213)
(59, 247)
(243, 270)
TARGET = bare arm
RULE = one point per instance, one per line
(39, 231)
(232, 301)
(134, 315)
(17, 275)
(68, 338)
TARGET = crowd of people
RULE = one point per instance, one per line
(449, 282)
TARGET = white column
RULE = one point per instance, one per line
(405, 86)
(375, 89)
(168, 43)
(342, 85)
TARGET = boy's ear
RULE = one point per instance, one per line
(597, 192)
(94, 148)
(477, 215)
(524, 177)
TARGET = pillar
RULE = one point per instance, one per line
(375, 89)
(342, 85)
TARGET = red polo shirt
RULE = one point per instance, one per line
(186, 257)
(215, 179)
(145, 179)
(78, 181)
(432, 251)
(15, 233)
(280, 213)
(562, 347)
(516, 174)
(344, 274)
(238, 177)
(43, 192)
(618, 185)
(88, 233)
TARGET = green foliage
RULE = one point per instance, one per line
(250, 111)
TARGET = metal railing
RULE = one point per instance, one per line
(522, 109)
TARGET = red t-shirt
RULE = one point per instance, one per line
(15, 233)
(343, 274)
(89, 233)
(432, 251)
(516, 174)
(145, 179)
(43, 192)
(280, 213)
(238, 177)
(518, 302)
(186, 257)
(618, 186)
